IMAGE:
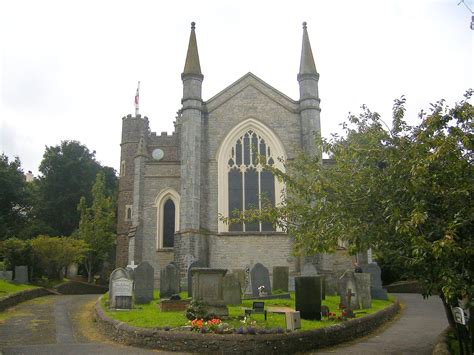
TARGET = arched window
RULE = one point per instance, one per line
(243, 182)
(167, 221)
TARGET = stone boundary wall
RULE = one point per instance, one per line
(233, 343)
(18, 297)
(441, 346)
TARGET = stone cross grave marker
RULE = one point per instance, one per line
(119, 273)
(193, 265)
(169, 281)
(231, 289)
(348, 281)
(144, 277)
(259, 276)
(308, 296)
(21, 274)
(349, 296)
(281, 278)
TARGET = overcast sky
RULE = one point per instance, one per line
(69, 69)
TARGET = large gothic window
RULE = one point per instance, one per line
(167, 218)
(250, 185)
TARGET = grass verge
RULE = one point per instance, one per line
(150, 316)
(7, 288)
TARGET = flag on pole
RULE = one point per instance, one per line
(137, 95)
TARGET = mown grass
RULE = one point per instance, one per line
(7, 288)
(150, 316)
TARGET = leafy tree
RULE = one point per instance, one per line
(97, 225)
(14, 206)
(15, 252)
(52, 254)
(68, 173)
(407, 192)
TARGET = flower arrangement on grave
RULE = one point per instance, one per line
(199, 325)
(262, 291)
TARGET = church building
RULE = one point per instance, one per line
(173, 188)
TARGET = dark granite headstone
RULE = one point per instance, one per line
(21, 274)
(193, 265)
(231, 289)
(308, 296)
(169, 281)
(377, 292)
(259, 276)
(144, 277)
(280, 278)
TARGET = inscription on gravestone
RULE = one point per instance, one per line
(122, 291)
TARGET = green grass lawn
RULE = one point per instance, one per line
(7, 288)
(150, 316)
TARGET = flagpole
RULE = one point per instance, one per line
(137, 97)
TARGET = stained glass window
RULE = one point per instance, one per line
(249, 183)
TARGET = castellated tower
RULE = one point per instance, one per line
(133, 128)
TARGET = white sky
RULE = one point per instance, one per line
(69, 69)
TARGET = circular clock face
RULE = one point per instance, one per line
(158, 154)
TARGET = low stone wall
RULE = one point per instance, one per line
(441, 347)
(80, 288)
(404, 287)
(17, 297)
(236, 343)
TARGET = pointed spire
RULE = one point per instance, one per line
(192, 65)
(307, 65)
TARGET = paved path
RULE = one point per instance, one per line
(57, 325)
(413, 332)
(63, 325)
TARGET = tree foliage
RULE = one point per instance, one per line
(68, 172)
(97, 225)
(53, 254)
(407, 192)
(14, 204)
(15, 252)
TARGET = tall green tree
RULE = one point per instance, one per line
(14, 202)
(68, 173)
(407, 192)
(97, 225)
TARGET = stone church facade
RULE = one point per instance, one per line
(172, 188)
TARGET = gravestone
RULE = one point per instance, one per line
(309, 270)
(259, 276)
(377, 292)
(21, 274)
(6, 275)
(72, 270)
(119, 273)
(144, 276)
(323, 288)
(208, 288)
(122, 290)
(248, 283)
(169, 281)
(363, 290)
(193, 265)
(281, 278)
(348, 282)
(231, 289)
(240, 273)
(308, 296)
